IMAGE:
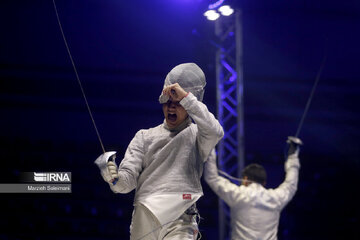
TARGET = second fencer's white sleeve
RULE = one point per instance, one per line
(285, 192)
(226, 190)
(131, 165)
(209, 129)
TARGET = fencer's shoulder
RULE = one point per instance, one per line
(158, 128)
(150, 131)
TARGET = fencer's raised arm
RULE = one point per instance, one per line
(226, 190)
(209, 129)
(185, 83)
(287, 189)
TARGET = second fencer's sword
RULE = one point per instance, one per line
(311, 96)
(303, 115)
(296, 140)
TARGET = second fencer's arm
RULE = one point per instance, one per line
(226, 190)
(287, 189)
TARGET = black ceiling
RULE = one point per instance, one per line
(123, 50)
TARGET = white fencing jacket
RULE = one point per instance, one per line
(165, 166)
(255, 211)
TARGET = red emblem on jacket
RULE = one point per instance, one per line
(186, 196)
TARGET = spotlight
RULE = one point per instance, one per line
(211, 15)
(226, 10)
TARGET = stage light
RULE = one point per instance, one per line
(226, 10)
(211, 15)
(214, 10)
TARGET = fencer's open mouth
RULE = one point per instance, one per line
(172, 117)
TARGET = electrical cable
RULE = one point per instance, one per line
(229, 176)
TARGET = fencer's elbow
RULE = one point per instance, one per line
(207, 176)
(209, 180)
(217, 132)
(210, 177)
(221, 132)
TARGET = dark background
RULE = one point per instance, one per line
(123, 51)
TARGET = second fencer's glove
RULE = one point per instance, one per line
(293, 145)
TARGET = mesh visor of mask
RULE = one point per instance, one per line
(189, 76)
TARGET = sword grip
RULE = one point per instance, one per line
(112, 158)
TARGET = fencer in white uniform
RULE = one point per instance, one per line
(255, 210)
(165, 163)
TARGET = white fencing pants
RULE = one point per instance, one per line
(145, 226)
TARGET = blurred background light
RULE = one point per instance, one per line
(211, 15)
(226, 10)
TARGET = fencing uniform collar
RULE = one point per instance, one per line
(179, 128)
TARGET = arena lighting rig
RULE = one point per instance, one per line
(229, 94)
(216, 9)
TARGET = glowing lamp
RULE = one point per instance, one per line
(226, 10)
(211, 15)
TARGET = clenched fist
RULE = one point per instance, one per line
(112, 170)
(175, 92)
